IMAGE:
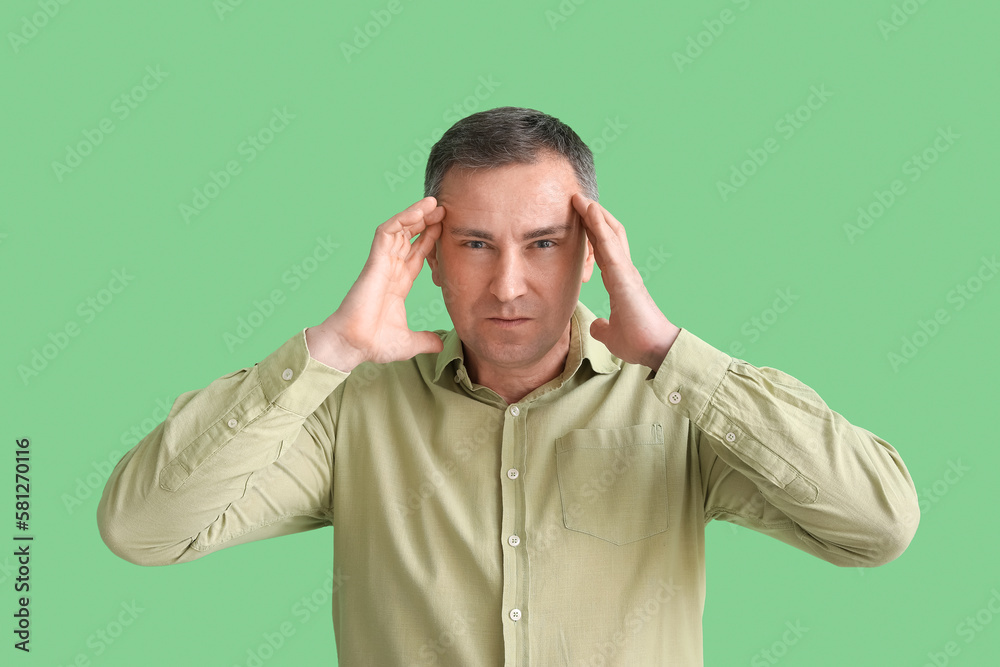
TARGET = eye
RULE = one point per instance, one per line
(552, 243)
(466, 244)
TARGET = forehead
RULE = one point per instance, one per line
(514, 190)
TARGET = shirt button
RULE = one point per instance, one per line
(514, 410)
(512, 473)
(233, 423)
(730, 436)
(287, 374)
(458, 378)
(513, 540)
(515, 614)
(674, 397)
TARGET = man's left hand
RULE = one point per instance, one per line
(635, 331)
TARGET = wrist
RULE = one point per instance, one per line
(329, 348)
(656, 356)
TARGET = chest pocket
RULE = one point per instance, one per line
(613, 482)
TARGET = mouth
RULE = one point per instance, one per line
(507, 322)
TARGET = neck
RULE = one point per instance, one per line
(512, 383)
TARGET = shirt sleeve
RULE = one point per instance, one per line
(775, 458)
(248, 457)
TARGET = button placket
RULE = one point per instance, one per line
(513, 495)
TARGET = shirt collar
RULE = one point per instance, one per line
(581, 346)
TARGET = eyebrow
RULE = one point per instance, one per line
(551, 230)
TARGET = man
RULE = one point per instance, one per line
(531, 487)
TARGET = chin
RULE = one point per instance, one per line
(507, 354)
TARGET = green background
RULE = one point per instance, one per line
(894, 81)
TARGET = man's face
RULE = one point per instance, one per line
(511, 246)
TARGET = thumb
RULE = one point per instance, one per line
(599, 329)
(425, 341)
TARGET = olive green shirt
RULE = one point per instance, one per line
(564, 529)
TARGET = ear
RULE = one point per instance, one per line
(432, 261)
(588, 262)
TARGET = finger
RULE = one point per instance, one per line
(580, 203)
(432, 225)
(617, 231)
(394, 235)
(607, 245)
(420, 248)
(616, 227)
(581, 206)
(425, 341)
(435, 216)
(598, 254)
(612, 220)
(411, 219)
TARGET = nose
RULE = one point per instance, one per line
(509, 276)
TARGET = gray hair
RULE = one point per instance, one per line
(507, 135)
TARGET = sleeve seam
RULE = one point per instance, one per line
(222, 414)
(719, 509)
(189, 471)
(711, 395)
(745, 434)
(215, 545)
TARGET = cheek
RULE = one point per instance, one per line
(569, 263)
(456, 274)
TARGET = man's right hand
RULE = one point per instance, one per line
(370, 324)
